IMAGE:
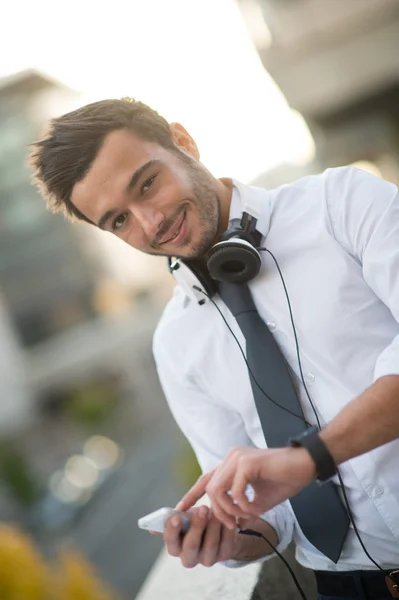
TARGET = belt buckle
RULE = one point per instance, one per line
(393, 587)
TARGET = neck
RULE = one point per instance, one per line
(225, 195)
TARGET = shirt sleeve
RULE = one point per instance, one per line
(364, 213)
(212, 430)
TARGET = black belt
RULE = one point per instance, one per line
(353, 583)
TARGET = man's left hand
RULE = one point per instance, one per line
(274, 474)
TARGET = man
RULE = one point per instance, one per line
(120, 166)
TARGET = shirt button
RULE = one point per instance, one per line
(378, 490)
(271, 325)
(311, 377)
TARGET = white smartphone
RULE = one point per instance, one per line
(156, 521)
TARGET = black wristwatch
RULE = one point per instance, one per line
(310, 439)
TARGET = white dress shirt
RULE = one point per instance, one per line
(336, 239)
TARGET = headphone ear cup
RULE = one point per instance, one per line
(233, 261)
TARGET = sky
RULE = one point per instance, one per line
(192, 60)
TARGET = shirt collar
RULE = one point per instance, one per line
(240, 193)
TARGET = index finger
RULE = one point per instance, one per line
(195, 493)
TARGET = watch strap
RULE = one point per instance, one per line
(310, 439)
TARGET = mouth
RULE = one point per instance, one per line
(176, 233)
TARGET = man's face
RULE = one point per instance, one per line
(156, 200)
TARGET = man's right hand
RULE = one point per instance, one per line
(205, 543)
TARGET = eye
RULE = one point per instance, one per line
(119, 221)
(147, 184)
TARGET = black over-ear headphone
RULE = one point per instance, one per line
(234, 259)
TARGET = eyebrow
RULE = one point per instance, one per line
(130, 186)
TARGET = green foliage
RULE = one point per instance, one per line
(92, 405)
(186, 467)
(17, 476)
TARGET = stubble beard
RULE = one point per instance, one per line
(206, 203)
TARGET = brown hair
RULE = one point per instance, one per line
(65, 154)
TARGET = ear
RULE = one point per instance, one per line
(183, 140)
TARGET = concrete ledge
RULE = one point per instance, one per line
(268, 581)
(170, 581)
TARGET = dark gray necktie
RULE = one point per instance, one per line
(318, 508)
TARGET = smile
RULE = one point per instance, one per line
(177, 232)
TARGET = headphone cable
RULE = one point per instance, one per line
(346, 501)
(252, 531)
(260, 535)
(198, 289)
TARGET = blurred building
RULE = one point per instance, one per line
(55, 282)
(77, 313)
(15, 406)
(337, 64)
(46, 280)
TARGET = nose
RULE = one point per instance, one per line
(149, 219)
